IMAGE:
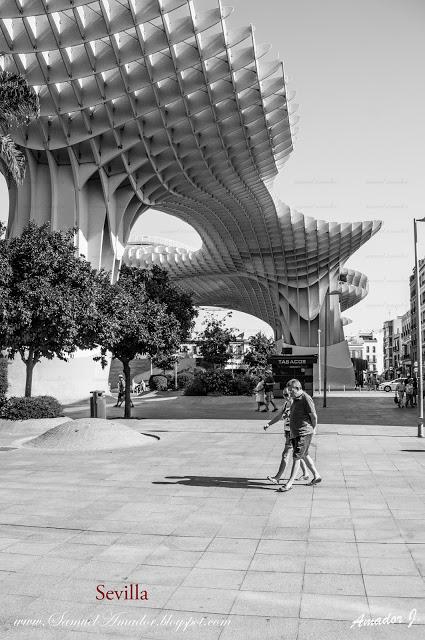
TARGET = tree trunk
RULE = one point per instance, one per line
(29, 363)
(127, 376)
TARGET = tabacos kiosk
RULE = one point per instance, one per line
(288, 366)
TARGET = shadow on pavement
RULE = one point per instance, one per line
(213, 481)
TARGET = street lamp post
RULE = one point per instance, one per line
(325, 372)
(319, 360)
(419, 334)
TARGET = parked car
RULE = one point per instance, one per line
(389, 385)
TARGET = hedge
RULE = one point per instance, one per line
(3, 377)
(221, 381)
(196, 388)
(184, 379)
(158, 383)
(17, 408)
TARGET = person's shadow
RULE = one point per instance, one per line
(219, 481)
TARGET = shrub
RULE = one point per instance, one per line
(184, 379)
(158, 383)
(242, 385)
(217, 381)
(220, 381)
(31, 408)
(3, 377)
(196, 388)
(171, 382)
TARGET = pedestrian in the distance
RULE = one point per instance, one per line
(302, 423)
(260, 395)
(283, 414)
(140, 388)
(121, 391)
(269, 387)
(409, 392)
(415, 390)
(400, 392)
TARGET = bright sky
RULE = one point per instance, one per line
(357, 69)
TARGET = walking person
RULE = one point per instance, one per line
(409, 392)
(268, 388)
(140, 388)
(400, 393)
(283, 414)
(121, 391)
(260, 395)
(302, 424)
(415, 390)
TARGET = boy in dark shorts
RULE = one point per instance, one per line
(302, 423)
(283, 413)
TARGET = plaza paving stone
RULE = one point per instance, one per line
(192, 519)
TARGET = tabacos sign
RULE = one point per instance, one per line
(295, 362)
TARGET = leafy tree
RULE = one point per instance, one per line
(18, 105)
(261, 349)
(165, 362)
(215, 339)
(51, 297)
(142, 313)
(158, 287)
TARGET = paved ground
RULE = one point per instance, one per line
(373, 408)
(191, 519)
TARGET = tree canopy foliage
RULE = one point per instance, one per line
(143, 313)
(261, 348)
(52, 303)
(50, 296)
(215, 339)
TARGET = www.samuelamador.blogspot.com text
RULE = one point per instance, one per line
(120, 620)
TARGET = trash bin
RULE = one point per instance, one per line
(97, 404)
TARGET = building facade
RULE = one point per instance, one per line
(368, 346)
(414, 351)
(237, 348)
(392, 347)
(406, 363)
